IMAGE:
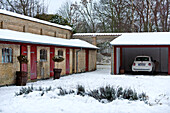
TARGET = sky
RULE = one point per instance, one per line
(54, 5)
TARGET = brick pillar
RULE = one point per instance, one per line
(94, 38)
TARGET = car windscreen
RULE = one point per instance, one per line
(142, 59)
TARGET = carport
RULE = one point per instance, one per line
(129, 45)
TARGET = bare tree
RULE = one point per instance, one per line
(119, 15)
(26, 7)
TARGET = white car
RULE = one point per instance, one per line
(143, 64)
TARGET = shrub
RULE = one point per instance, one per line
(80, 90)
(119, 92)
(64, 92)
(103, 94)
(107, 93)
(28, 90)
(110, 93)
(24, 91)
(130, 94)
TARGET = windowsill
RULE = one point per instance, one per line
(43, 60)
(7, 63)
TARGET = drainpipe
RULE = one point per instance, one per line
(112, 59)
(77, 58)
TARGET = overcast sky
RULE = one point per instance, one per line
(54, 5)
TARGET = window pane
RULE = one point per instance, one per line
(3, 55)
(6, 55)
(60, 53)
(43, 55)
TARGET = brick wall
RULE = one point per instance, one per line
(22, 25)
(8, 70)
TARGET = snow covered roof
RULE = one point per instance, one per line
(97, 34)
(34, 19)
(14, 36)
(152, 38)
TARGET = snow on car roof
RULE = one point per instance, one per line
(14, 36)
(33, 19)
(150, 38)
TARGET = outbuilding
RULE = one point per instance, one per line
(40, 41)
(129, 45)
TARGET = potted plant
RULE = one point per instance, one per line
(57, 71)
(21, 76)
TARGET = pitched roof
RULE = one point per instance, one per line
(34, 19)
(14, 36)
(150, 38)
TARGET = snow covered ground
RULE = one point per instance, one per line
(156, 87)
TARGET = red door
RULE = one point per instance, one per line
(87, 60)
(33, 62)
(67, 61)
(52, 64)
(24, 52)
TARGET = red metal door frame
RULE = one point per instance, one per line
(24, 52)
(52, 63)
(67, 61)
(33, 53)
(168, 60)
(115, 61)
(87, 60)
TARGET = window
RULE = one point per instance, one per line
(7, 55)
(43, 55)
(60, 53)
(142, 59)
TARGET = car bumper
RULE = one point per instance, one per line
(144, 69)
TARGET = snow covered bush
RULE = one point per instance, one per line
(102, 94)
(27, 90)
(24, 91)
(63, 92)
(110, 93)
(80, 90)
(107, 93)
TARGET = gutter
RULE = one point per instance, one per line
(41, 43)
(77, 59)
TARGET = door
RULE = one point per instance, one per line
(67, 60)
(87, 60)
(33, 61)
(24, 52)
(52, 64)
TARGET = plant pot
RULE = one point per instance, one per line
(57, 73)
(21, 78)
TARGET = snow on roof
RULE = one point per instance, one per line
(34, 19)
(152, 38)
(97, 34)
(14, 36)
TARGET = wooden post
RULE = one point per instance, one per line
(3, 25)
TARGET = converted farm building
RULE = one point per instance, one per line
(129, 45)
(40, 41)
